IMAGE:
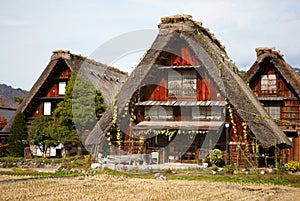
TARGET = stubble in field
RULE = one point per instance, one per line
(106, 187)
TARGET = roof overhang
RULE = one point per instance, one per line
(291, 133)
(270, 98)
(182, 125)
(183, 103)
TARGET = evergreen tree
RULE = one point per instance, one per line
(82, 105)
(18, 136)
(43, 134)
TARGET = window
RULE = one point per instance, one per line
(273, 109)
(47, 108)
(200, 113)
(268, 82)
(156, 113)
(61, 88)
(182, 83)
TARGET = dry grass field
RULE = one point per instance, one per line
(107, 187)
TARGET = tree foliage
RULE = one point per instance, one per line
(18, 99)
(43, 133)
(18, 136)
(87, 104)
(81, 106)
(215, 155)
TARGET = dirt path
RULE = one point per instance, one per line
(105, 187)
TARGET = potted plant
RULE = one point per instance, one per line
(229, 169)
(215, 156)
(123, 168)
(247, 170)
(205, 162)
(270, 169)
(214, 169)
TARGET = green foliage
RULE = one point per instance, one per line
(18, 136)
(215, 155)
(82, 106)
(214, 168)
(228, 167)
(10, 159)
(43, 133)
(87, 104)
(18, 99)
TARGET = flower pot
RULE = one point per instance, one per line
(135, 170)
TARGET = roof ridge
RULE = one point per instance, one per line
(66, 54)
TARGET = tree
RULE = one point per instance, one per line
(18, 136)
(18, 99)
(78, 104)
(43, 133)
(87, 104)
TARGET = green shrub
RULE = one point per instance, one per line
(215, 155)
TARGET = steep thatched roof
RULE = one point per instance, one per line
(212, 56)
(103, 77)
(273, 56)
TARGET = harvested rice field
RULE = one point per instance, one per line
(108, 187)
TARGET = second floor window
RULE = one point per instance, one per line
(47, 108)
(182, 83)
(62, 88)
(273, 109)
(156, 113)
(268, 82)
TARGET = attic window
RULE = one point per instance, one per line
(182, 83)
(268, 82)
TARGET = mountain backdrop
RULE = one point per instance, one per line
(7, 94)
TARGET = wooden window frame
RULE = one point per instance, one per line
(182, 84)
(47, 108)
(158, 113)
(268, 82)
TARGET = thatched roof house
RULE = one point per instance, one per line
(213, 59)
(277, 86)
(264, 55)
(62, 63)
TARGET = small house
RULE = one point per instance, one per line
(277, 86)
(49, 89)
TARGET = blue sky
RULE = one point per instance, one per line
(30, 30)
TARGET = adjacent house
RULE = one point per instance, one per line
(7, 113)
(184, 99)
(49, 89)
(277, 86)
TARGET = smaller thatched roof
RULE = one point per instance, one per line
(103, 77)
(266, 54)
